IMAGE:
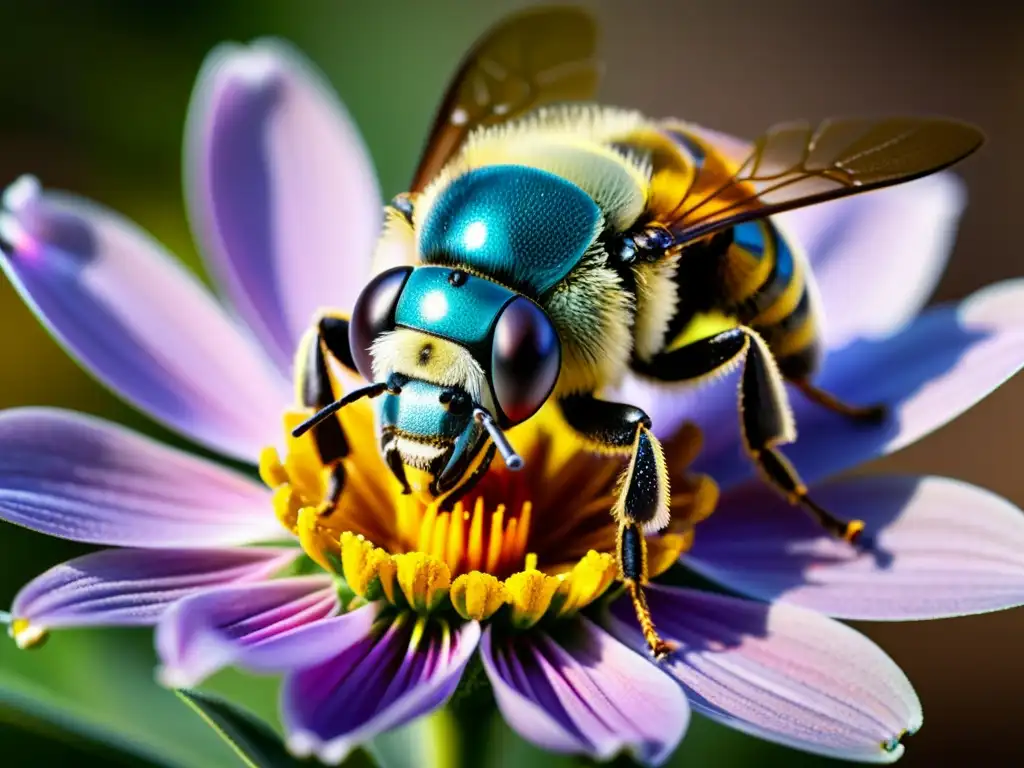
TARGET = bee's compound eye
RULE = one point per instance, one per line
(525, 360)
(373, 314)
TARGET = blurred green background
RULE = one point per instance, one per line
(93, 100)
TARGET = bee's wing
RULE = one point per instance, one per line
(533, 58)
(796, 165)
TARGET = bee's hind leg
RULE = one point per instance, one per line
(870, 414)
(314, 391)
(642, 504)
(766, 419)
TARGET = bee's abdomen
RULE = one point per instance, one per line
(773, 295)
(751, 273)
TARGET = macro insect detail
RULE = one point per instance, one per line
(550, 246)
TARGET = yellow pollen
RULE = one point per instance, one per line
(27, 635)
(317, 541)
(468, 538)
(587, 581)
(272, 471)
(530, 594)
(424, 580)
(361, 565)
(477, 596)
(525, 545)
(286, 507)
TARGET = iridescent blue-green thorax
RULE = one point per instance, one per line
(523, 226)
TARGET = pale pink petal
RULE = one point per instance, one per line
(934, 548)
(781, 673)
(135, 587)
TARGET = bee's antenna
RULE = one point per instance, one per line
(512, 459)
(373, 390)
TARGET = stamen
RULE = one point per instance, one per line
(272, 471)
(27, 635)
(587, 581)
(317, 542)
(530, 594)
(424, 580)
(477, 596)
(497, 534)
(523, 531)
(361, 564)
(286, 507)
(439, 543)
(475, 548)
(456, 537)
(426, 533)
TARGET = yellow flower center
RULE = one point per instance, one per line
(536, 543)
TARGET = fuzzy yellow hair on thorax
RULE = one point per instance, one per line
(573, 142)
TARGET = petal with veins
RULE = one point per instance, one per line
(281, 190)
(133, 317)
(85, 479)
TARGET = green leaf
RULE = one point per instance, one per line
(431, 740)
(255, 742)
(504, 748)
(44, 734)
(98, 684)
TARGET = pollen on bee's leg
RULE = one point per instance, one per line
(477, 596)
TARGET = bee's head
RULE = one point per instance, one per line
(457, 359)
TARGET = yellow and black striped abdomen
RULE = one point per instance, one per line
(753, 274)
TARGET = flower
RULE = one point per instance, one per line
(284, 205)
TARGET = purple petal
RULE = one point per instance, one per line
(281, 190)
(380, 683)
(781, 673)
(138, 321)
(905, 233)
(133, 587)
(585, 693)
(85, 479)
(283, 625)
(939, 548)
(928, 374)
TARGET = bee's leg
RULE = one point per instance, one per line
(313, 386)
(642, 504)
(872, 414)
(766, 419)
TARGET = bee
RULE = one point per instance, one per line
(550, 245)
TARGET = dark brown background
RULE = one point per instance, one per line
(93, 95)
